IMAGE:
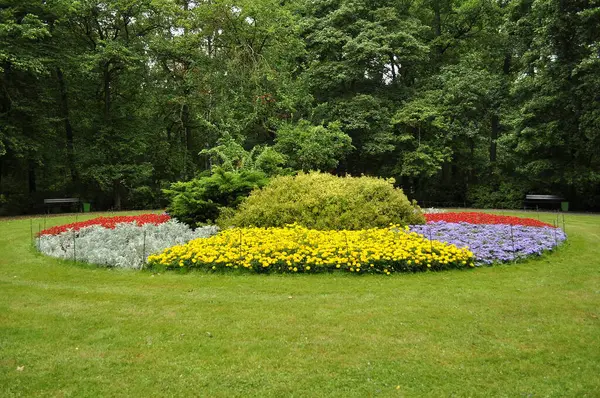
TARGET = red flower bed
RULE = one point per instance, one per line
(483, 218)
(109, 222)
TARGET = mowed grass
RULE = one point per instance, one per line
(525, 329)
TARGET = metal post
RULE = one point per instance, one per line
(241, 237)
(143, 251)
(512, 237)
(74, 248)
(430, 240)
(347, 250)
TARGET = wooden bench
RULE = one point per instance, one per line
(536, 200)
(60, 202)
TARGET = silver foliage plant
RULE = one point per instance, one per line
(126, 246)
(433, 210)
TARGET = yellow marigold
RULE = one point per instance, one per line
(289, 249)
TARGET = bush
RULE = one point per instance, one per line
(201, 200)
(323, 201)
(297, 249)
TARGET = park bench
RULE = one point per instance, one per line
(545, 201)
(49, 203)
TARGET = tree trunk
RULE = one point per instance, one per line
(185, 119)
(31, 178)
(117, 195)
(437, 25)
(494, 137)
(393, 65)
(495, 122)
(447, 172)
(471, 159)
(187, 136)
(68, 127)
(438, 19)
(506, 65)
(106, 78)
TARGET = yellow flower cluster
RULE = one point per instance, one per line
(297, 249)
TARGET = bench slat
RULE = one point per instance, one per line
(544, 197)
(63, 200)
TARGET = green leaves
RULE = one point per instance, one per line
(310, 147)
(323, 201)
(98, 98)
(203, 199)
(229, 155)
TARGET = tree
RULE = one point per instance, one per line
(557, 126)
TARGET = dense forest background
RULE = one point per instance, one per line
(474, 102)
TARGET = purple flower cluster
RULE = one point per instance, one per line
(492, 243)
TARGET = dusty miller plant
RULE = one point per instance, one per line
(126, 246)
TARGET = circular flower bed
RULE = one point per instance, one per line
(492, 238)
(448, 240)
(123, 241)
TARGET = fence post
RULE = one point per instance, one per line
(430, 240)
(512, 237)
(347, 249)
(74, 248)
(241, 241)
(143, 252)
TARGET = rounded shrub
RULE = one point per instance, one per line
(202, 199)
(323, 201)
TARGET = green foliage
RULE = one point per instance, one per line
(230, 155)
(504, 196)
(309, 147)
(323, 201)
(202, 199)
(99, 98)
(557, 135)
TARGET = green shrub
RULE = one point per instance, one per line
(323, 201)
(202, 199)
(501, 196)
(230, 155)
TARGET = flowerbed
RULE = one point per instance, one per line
(109, 222)
(483, 218)
(123, 242)
(298, 249)
(448, 240)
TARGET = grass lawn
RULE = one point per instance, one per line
(526, 329)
